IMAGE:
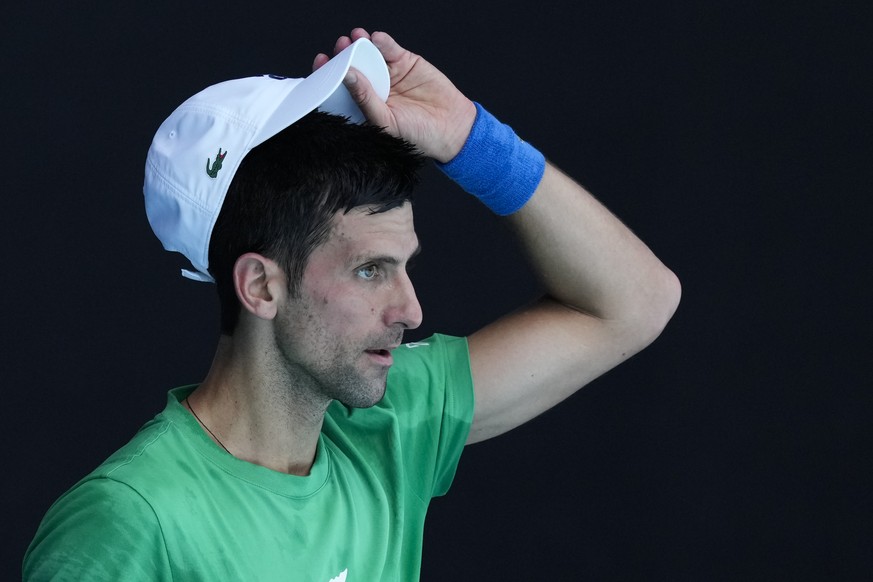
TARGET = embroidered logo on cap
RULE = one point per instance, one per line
(213, 172)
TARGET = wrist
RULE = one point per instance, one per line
(495, 165)
(459, 132)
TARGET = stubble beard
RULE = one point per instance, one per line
(348, 376)
(330, 369)
(352, 389)
(337, 375)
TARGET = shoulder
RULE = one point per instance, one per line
(437, 357)
(427, 372)
(431, 379)
(101, 529)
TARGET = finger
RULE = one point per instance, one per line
(358, 33)
(373, 108)
(341, 44)
(387, 46)
(320, 60)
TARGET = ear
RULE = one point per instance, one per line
(258, 282)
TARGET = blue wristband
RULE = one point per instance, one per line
(496, 166)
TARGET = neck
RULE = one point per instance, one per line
(257, 410)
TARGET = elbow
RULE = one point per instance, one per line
(672, 294)
(661, 304)
(654, 310)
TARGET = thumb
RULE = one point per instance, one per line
(371, 105)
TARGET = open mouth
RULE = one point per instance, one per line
(381, 357)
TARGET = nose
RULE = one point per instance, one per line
(404, 308)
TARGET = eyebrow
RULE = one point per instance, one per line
(386, 259)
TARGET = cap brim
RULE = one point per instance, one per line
(324, 89)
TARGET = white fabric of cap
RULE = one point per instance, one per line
(182, 200)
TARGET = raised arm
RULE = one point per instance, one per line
(608, 296)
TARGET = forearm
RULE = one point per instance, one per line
(588, 260)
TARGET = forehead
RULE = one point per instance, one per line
(360, 232)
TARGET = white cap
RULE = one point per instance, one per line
(197, 150)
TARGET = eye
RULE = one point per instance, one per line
(368, 272)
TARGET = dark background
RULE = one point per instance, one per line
(731, 136)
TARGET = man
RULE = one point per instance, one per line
(313, 446)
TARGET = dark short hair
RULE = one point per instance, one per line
(286, 191)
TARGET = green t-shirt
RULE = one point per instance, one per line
(172, 505)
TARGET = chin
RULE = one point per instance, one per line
(365, 395)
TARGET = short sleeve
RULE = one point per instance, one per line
(431, 388)
(99, 530)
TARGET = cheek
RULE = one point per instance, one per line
(346, 309)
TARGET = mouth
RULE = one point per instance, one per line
(381, 356)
